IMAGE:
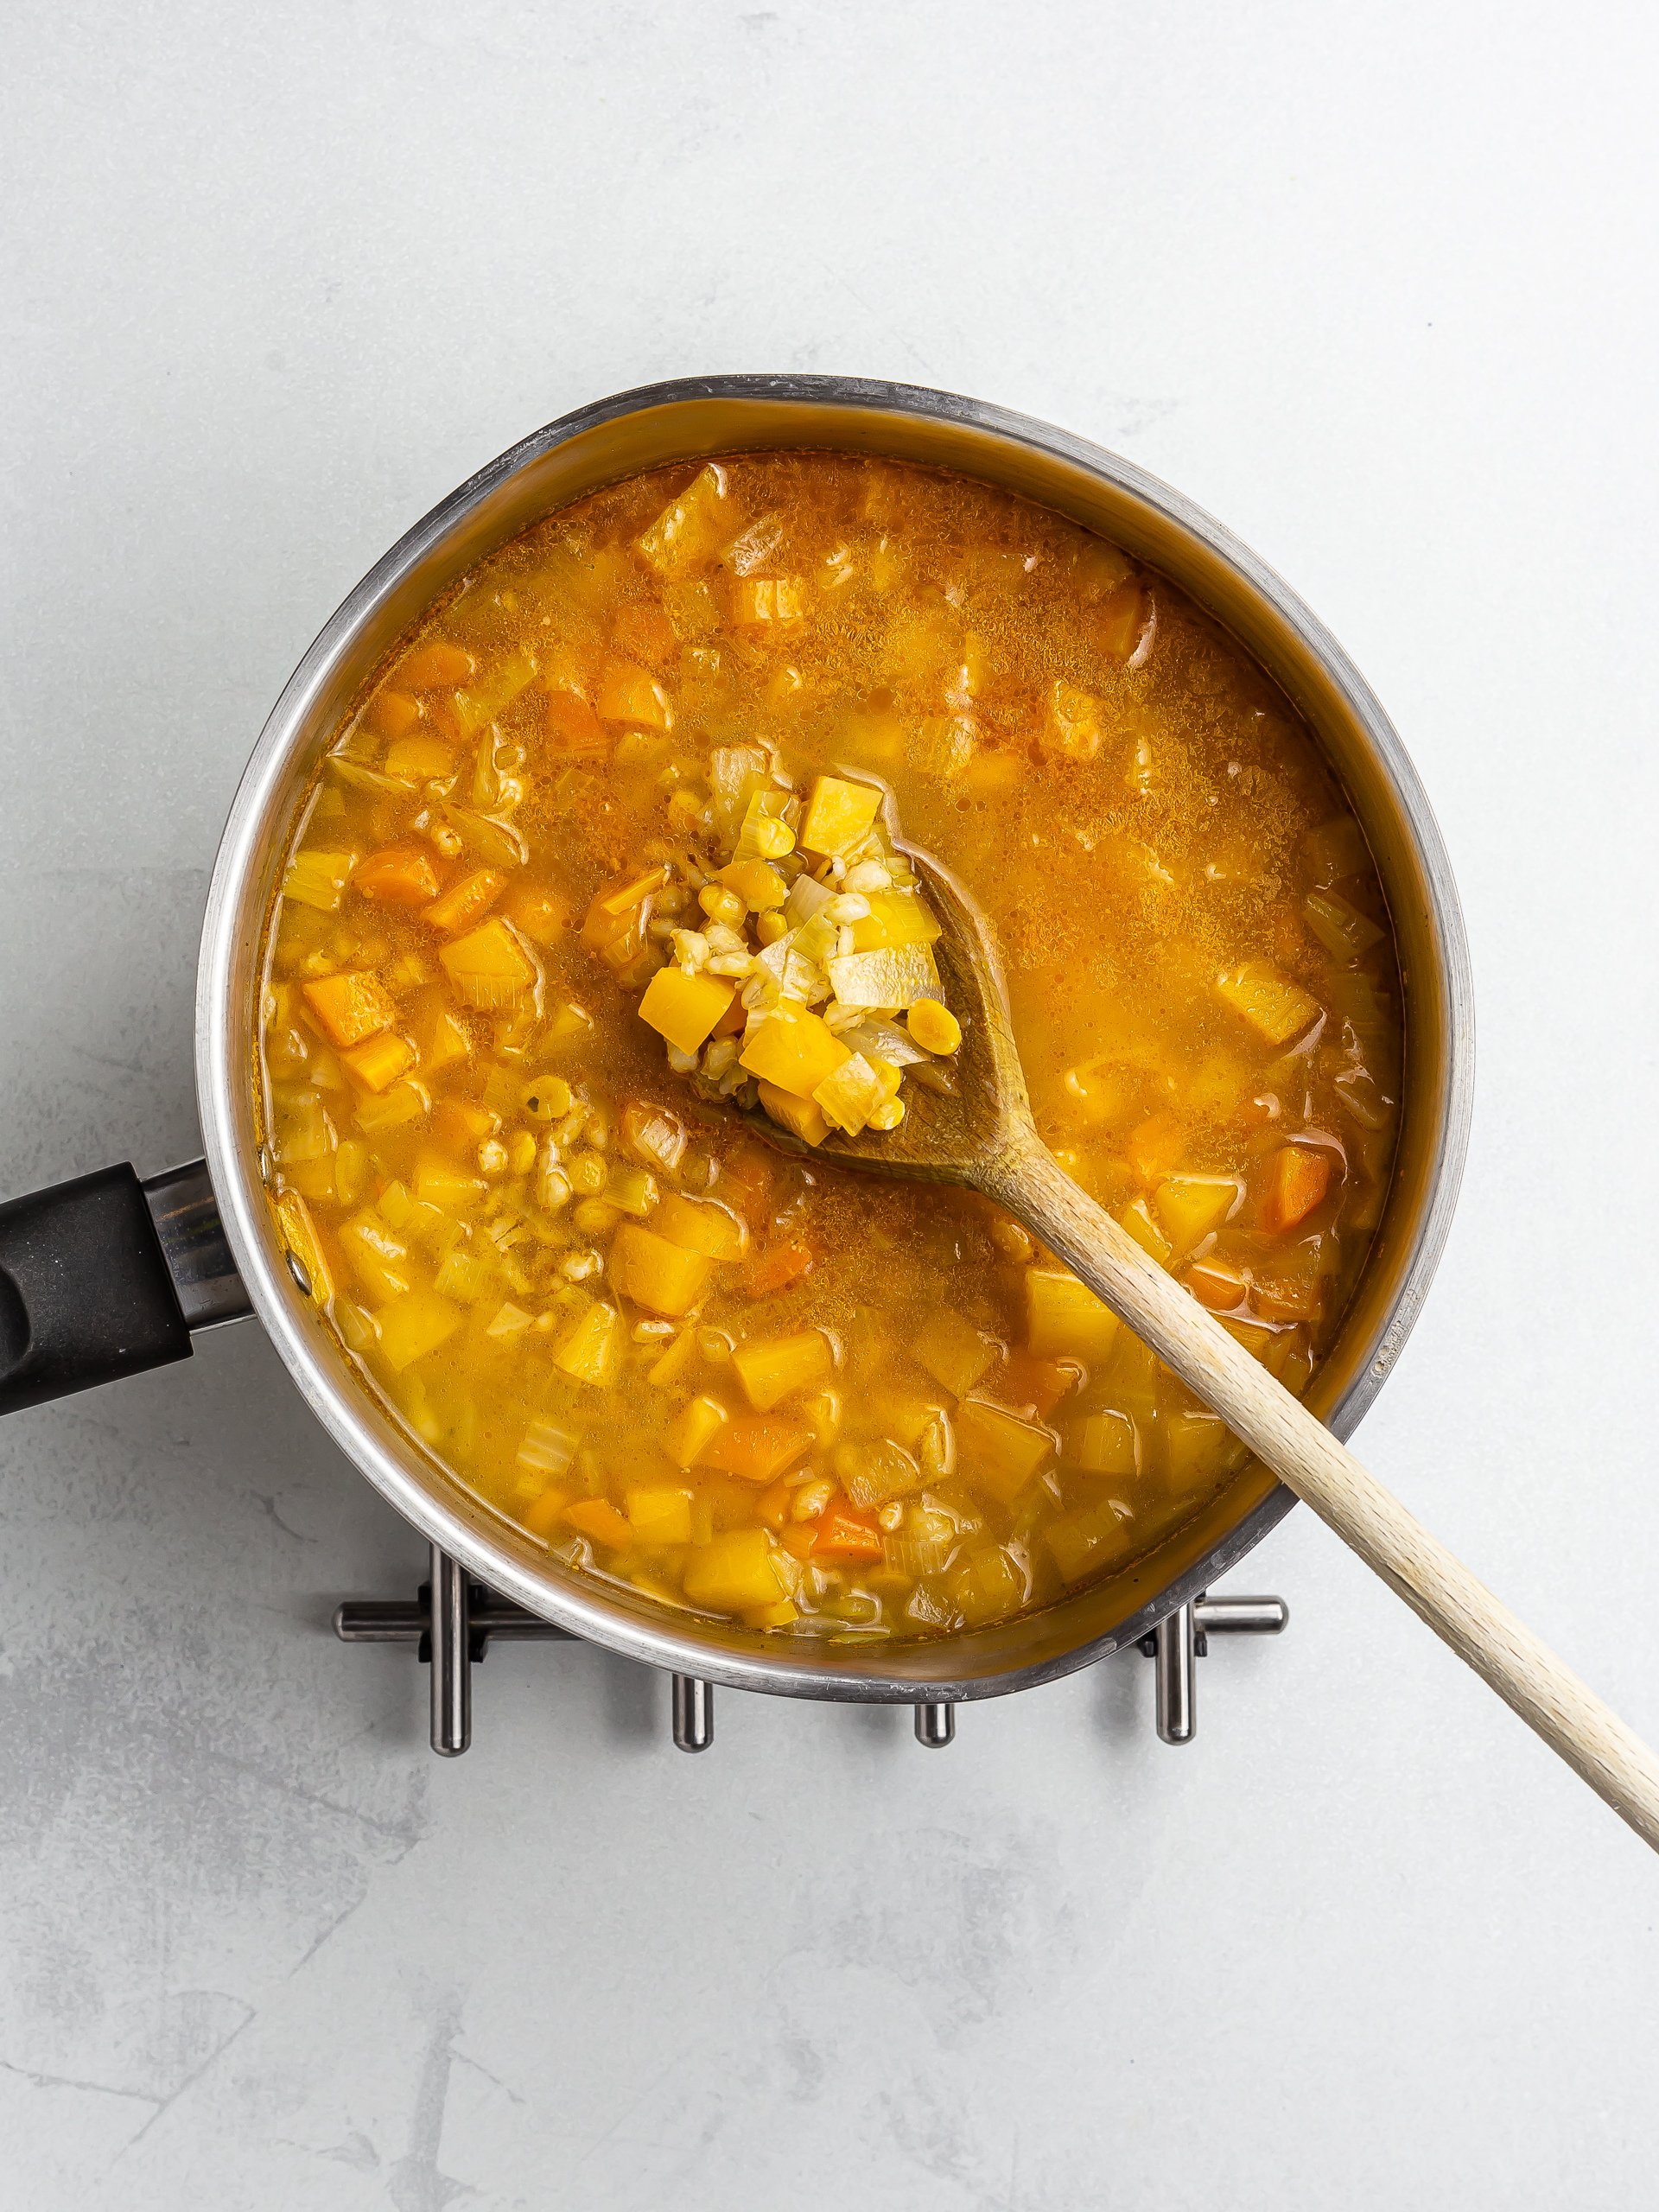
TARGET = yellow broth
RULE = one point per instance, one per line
(746, 1383)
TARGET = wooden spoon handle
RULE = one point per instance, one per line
(1370, 1519)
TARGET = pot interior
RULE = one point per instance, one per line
(688, 422)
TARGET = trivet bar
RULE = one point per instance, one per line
(1182, 1637)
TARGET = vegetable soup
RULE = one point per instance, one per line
(593, 858)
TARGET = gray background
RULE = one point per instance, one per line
(1373, 285)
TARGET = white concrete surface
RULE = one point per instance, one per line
(1374, 285)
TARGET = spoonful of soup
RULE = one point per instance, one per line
(860, 1012)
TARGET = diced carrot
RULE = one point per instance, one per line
(1216, 1285)
(542, 1512)
(596, 1517)
(758, 1448)
(1155, 1146)
(398, 875)
(780, 1267)
(1298, 1177)
(350, 1006)
(465, 900)
(573, 727)
(1039, 1384)
(392, 713)
(746, 1182)
(842, 1532)
(644, 632)
(429, 667)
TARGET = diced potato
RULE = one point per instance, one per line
(896, 977)
(1074, 721)
(350, 1006)
(398, 875)
(1065, 1319)
(663, 1277)
(734, 1572)
(799, 1116)
(772, 1371)
(838, 815)
(954, 1352)
(933, 1026)
(465, 900)
(632, 696)
(685, 1008)
(1137, 1218)
(699, 1421)
(418, 759)
(659, 1515)
(986, 1585)
(1094, 1538)
(1275, 1008)
(490, 968)
(757, 1448)
(435, 666)
(998, 1451)
(850, 1093)
(591, 1352)
(1190, 1207)
(598, 1520)
(1103, 1443)
(1298, 1177)
(414, 1325)
(691, 529)
(377, 1256)
(701, 1225)
(895, 918)
(379, 1061)
(876, 1474)
(792, 1049)
(318, 879)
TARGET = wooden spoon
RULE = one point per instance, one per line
(984, 1137)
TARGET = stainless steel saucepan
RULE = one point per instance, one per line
(104, 1277)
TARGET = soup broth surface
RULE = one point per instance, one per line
(752, 1385)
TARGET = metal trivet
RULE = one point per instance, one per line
(453, 1635)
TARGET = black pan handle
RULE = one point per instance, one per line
(106, 1276)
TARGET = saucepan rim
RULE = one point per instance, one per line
(413, 1482)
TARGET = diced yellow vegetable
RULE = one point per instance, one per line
(758, 884)
(701, 1225)
(695, 1429)
(896, 918)
(389, 714)
(1190, 1207)
(1095, 1536)
(691, 528)
(772, 1371)
(350, 1006)
(591, 1352)
(659, 1515)
(664, 1278)
(377, 1256)
(1275, 1008)
(933, 1026)
(838, 815)
(507, 1322)
(734, 1572)
(1064, 1319)
(793, 1049)
(399, 1102)
(319, 879)
(414, 1325)
(631, 694)
(896, 977)
(434, 666)
(1103, 1443)
(1136, 1218)
(671, 1367)
(999, 1452)
(685, 1008)
(465, 900)
(986, 1585)
(379, 1061)
(954, 1351)
(799, 1115)
(439, 1182)
(1195, 1444)
(418, 758)
(490, 968)
(598, 1520)
(850, 1093)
